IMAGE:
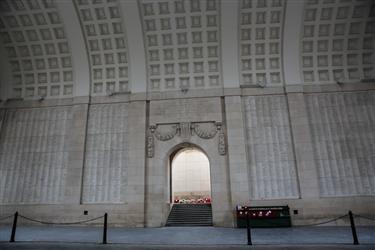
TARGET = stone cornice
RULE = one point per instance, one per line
(243, 91)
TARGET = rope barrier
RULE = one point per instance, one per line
(309, 225)
(324, 222)
(60, 223)
(6, 217)
(364, 217)
(16, 215)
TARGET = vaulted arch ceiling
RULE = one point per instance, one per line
(37, 48)
(338, 40)
(60, 49)
(105, 38)
(182, 43)
(261, 26)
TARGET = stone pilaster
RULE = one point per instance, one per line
(136, 168)
(236, 150)
(2, 118)
(76, 153)
(302, 140)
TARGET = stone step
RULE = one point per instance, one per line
(190, 215)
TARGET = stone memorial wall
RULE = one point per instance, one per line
(33, 155)
(342, 127)
(106, 161)
(271, 163)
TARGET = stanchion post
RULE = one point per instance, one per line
(249, 242)
(14, 227)
(354, 231)
(105, 229)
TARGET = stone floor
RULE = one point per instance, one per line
(91, 246)
(185, 237)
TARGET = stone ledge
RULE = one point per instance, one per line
(203, 93)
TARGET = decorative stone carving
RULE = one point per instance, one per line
(150, 146)
(185, 130)
(222, 147)
(204, 130)
(222, 144)
(165, 132)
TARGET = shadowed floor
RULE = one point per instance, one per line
(191, 235)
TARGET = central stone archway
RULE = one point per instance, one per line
(158, 194)
(190, 180)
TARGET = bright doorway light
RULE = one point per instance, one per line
(191, 182)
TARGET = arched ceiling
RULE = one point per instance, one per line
(261, 24)
(183, 44)
(37, 48)
(105, 38)
(338, 41)
(59, 49)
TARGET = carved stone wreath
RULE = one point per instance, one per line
(167, 131)
(206, 131)
(165, 135)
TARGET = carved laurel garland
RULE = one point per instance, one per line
(222, 144)
(150, 145)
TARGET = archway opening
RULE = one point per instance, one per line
(190, 177)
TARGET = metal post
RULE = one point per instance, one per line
(354, 231)
(105, 229)
(14, 227)
(249, 242)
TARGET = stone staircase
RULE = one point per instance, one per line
(190, 215)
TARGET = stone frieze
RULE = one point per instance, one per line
(204, 130)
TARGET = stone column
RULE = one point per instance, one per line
(2, 118)
(302, 140)
(75, 147)
(156, 211)
(237, 161)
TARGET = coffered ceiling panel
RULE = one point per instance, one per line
(338, 41)
(261, 31)
(34, 37)
(106, 44)
(183, 44)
